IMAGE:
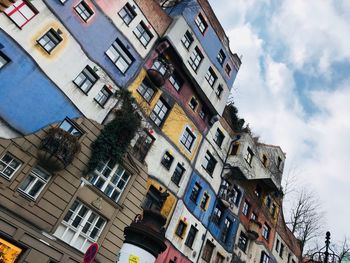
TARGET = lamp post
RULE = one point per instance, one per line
(325, 254)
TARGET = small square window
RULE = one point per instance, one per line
(84, 11)
(120, 56)
(191, 236)
(3, 60)
(181, 227)
(195, 192)
(159, 112)
(195, 58)
(219, 137)
(193, 103)
(176, 81)
(167, 160)
(50, 40)
(221, 57)
(9, 166)
(178, 173)
(70, 127)
(34, 183)
(228, 69)
(146, 90)
(21, 12)
(209, 163)
(205, 201)
(187, 139)
(243, 242)
(143, 34)
(127, 13)
(245, 208)
(211, 77)
(187, 39)
(219, 91)
(201, 23)
(86, 79)
(103, 96)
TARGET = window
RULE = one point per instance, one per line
(34, 183)
(176, 81)
(289, 257)
(111, 179)
(159, 112)
(266, 231)
(181, 227)
(143, 34)
(159, 66)
(273, 210)
(146, 90)
(204, 112)
(221, 57)
(219, 137)
(120, 56)
(187, 39)
(249, 156)
(236, 195)
(195, 192)
(277, 245)
(195, 58)
(208, 251)
(21, 13)
(193, 103)
(226, 230)
(86, 79)
(281, 250)
(3, 60)
(8, 166)
(80, 227)
(219, 91)
(211, 77)
(201, 23)
(127, 13)
(155, 199)
(264, 160)
(187, 139)
(143, 145)
(50, 40)
(219, 258)
(178, 173)
(167, 160)
(216, 218)
(264, 257)
(209, 163)
(228, 69)
(268, 201)
(68, 126)
(191, 236)
(258, 190)
(103, 96)
(253, 217)
(205, 201)
(84, 11)
(245, 208)
(243, 242)
(279, 162)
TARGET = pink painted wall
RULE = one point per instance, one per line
(170, 253)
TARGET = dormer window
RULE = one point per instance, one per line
(201, 23)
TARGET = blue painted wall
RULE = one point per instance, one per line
(216, 230)
(194, 207)
(95, 37)
(29, 101)
(209, 41)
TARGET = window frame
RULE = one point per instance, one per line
(265, 232)
(72, 128)
(187, 40)
(221, 57)
(176, 81)
(201, 23)
(209, 163)
(219, 90)
(264, 258)
(185, 139)
(177, 176)
(129, 12)
(102, 100)
(211, 77)
(120, 56)
(249, 156)
(144, 90)
(181, 228)
(204, 201)
(167, 160)
(35, 173)
(7, 165)
(5, 60)
(245, 208)
(226, 230)
(191, 236)
(84, 9)
(193, 103)
(84, 75)
(17, 10)
(103, 179)
(219, 137)
(140, 31)
(53, 37)
(208, 251)
(159, 116)
(217, 215)
(243, 242)
(196, 58)
(195, 192)
(228, 70)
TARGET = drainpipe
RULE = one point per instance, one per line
(238, 136)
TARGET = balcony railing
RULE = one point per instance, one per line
(58, 149)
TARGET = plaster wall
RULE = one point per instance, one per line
(181, 213)
(218, 250)
(282, 258)
(6, 131)
(112, 8)
(64, 63)
(170, 254)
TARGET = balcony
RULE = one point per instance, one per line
(253, 229)
(57, 149)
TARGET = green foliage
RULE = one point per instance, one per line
(114, 139)
(237, 122)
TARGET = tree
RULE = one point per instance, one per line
(343, 250)
(306, 217)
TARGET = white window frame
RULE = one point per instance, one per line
(107, 178)
(187, 39)
(196, 58)
(86, 223)
(39, 176)
(120, 56)
(211, 77)
(20, 13)
(11, 165)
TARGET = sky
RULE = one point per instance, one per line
(293, 89)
